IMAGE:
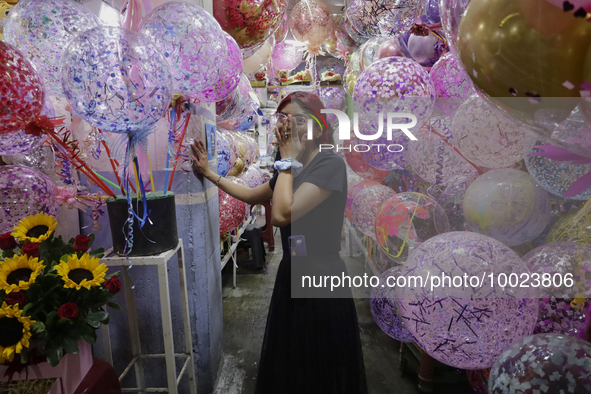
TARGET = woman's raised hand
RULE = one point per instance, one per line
(199, 158)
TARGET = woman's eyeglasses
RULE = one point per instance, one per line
(299, 120)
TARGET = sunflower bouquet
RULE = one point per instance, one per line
(52, 293)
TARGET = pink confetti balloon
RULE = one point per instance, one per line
(436, 161)
(232, 211)
(230, 75)
(366, 205)
(394, 84)
(384, 307)
(24, 192)
(287, 56)
(311, 22)
(560, 313)
(507, 205)
(21, 92)
(467, 324)
(486, 137)
(192, 42)
(452, 84)
(251, 177)
(42, 30)
(405, 221)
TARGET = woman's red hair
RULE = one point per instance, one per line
(309, 102)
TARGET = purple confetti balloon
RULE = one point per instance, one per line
(333, 98)
(42, 30)
(251, 177)
(19, 143)
(192, 42)
(464, 321)
(366, 204)
(384, 307)
(394, 84)
(545, 363)
(560, 312)
(452, 84)
(287, 56)
(24, 192)
(127, 87)
(229, 76)
(384, 154)
(507, 205)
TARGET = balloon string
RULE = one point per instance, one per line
(170, 147)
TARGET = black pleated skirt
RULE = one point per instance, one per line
(311, 345)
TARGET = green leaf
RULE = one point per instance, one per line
(115, 306)
(26, 308)
(62, 323)
(70, 346)
(52, 318)
(54, 355)
(97, 316)
(37, 327)
(93, 323)
(25, 356)
(91, 236)
(90, 337)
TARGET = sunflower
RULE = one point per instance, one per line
(35, 228)
(15, 332)
(81, 272)
(19, 273)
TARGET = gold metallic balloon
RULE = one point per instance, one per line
(524, 48)
(237, 169)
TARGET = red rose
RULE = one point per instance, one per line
(7, 241)
(68, 311)
(113, 285)
(31, 249)
(18, 297)
(81, 243)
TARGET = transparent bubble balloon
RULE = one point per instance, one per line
(128, 88)
(451, 13)
(384, 308)
(451, 200)
(260, 58)
(488, 138)
(470, 323)
(333, 98)
(223, 154)
(287, 56)
(24, 192)
(400, 18)
(389, 48)
(232, 211)
(432, 11)
(369, 51)
(405, 221)
(352, 193)
(571, 227)
(251, 22)
(507, 205)
(252, 177)
(366, 205)
(346, 35)
(424, 50)
(283, 29)
(21, 91)
(229, 75)
(563, 309)
(395, 85)
(191, 41)
(41, 159)
(311, 22)
(550, 363)
(436, 161)
(557, 176)
(383, 153)
(42, 30)
(229, 107)
(19, 142)
(452, 84)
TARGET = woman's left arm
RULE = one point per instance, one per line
(289, 207)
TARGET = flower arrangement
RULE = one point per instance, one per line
(52, 293)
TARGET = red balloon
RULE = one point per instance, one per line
(232, 211)
(22, 94)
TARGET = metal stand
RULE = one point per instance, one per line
(233, 240)
(137, 362)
